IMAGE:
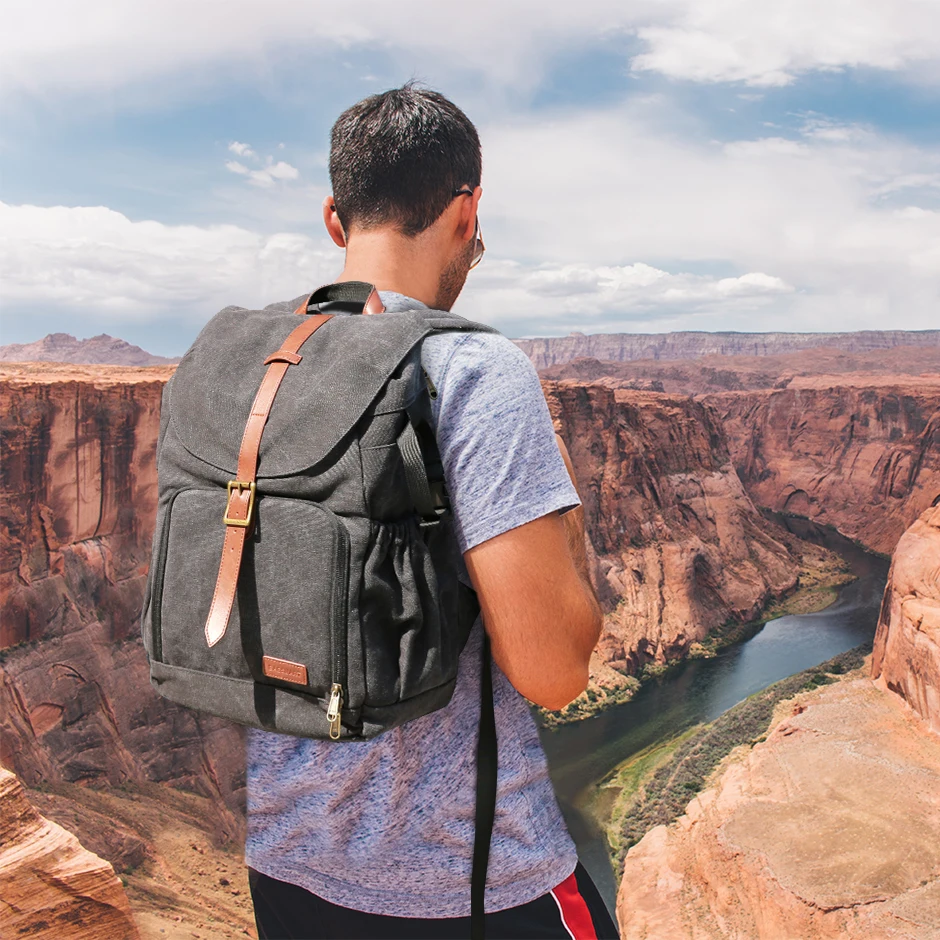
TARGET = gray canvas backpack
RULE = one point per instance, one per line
(304, 568)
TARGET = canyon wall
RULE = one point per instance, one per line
(856, 451)
(906, 657)
(78, 496)
(689, 344)
(678, 546)
(51, 888)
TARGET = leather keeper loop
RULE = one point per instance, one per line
(282, 355)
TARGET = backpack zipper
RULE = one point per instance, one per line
(333, 710)
(338, 640)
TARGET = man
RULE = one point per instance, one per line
(374, 839)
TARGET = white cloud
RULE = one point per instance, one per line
(764, 146)
(767, 44)
(63, 47)
(813, 230)
(240, 149)
(273, 172)
(237, 167)
(96, 259)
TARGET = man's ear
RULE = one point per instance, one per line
(466, 225)
(332, 222)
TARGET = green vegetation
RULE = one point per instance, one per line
(590, 702)
(654, 787)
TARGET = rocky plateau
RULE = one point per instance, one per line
(63, 347)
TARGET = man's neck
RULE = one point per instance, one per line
(393, 264)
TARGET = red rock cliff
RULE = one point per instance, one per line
(906, 658)
(78, 488)
(859, 452)
(78, 491)
(680, 547)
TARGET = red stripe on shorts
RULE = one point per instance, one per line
(574, 910)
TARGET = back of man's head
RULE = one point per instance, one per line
(397, 158)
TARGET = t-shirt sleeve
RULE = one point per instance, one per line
(495, 436)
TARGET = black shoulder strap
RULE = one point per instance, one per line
(487, 761)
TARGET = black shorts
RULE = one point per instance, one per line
(572, 911)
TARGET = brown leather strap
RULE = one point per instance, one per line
(373, 303)
(238, 512)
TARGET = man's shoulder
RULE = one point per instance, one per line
(458, 351)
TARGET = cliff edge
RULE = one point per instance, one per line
(906, 657)
(50, 886)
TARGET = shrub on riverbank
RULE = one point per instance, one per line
(663, 795)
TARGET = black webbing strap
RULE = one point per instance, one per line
(416, 474)
(486, 797)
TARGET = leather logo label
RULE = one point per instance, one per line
(284, 670)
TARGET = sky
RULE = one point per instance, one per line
(649, 165)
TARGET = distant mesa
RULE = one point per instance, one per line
(97, 350)
(691, 344)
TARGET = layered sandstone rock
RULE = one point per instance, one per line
(51, 887)
(78, 496)
(856, 451)
(828, 829)
(906, 657)
(679, 546)
(622, 347)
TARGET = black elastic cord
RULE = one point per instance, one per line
(486, 797)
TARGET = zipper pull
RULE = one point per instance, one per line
(332, 712)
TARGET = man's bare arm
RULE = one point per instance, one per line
(538, 605)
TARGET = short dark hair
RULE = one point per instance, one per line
(398, 157)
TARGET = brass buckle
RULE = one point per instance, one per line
(240, 485)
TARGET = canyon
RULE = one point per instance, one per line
(830, 826)
(78, 489)
(849, 439)
(678, 547)
(136, 778)
(671, 482)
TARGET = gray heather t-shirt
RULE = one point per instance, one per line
(386, 825)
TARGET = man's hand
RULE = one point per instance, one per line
(538, 605)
